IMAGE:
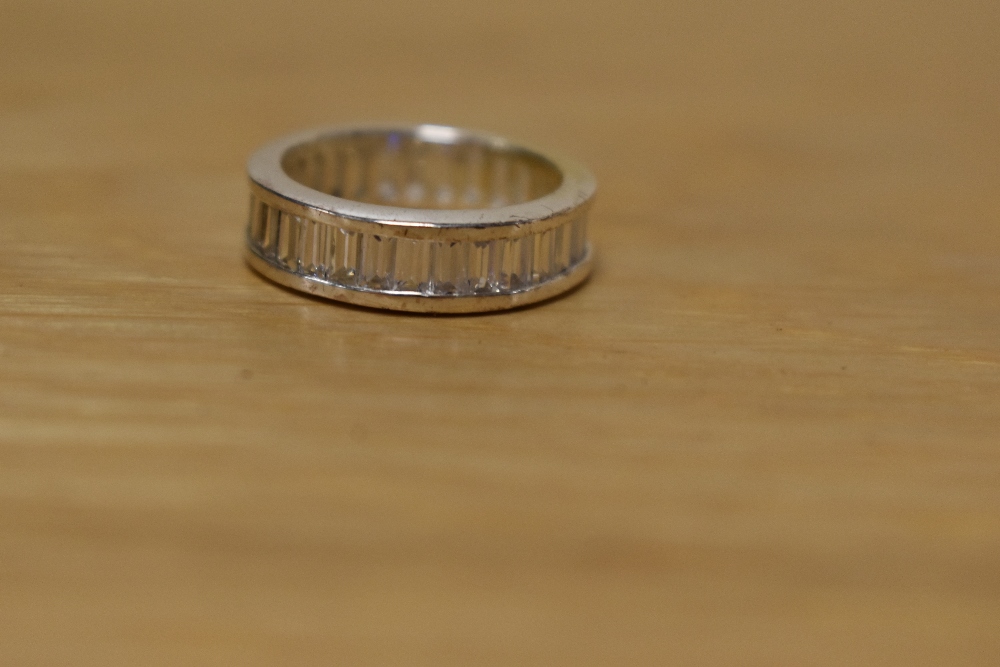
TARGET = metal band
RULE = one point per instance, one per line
(425, 218)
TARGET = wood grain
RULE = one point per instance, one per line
(766, 432)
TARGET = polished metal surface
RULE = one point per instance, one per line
(421, 218)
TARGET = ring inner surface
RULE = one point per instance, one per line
(402, 169)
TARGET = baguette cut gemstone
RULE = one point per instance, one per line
(345, 257)
(497, 280)
(523, 262)
(317, 246)
(270, 234)
(561, 249)
(379, 257)
(288, 241)
(380, 262)
(258, 220)
(543, 257)
(412, 270)
(451, 268)
(479, 267)
(578, 238)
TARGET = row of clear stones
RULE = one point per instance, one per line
(368, 261)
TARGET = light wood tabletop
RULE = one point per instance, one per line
(766, 431)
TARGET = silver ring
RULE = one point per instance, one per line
(423, 218)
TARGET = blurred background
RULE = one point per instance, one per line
(690, 91)
(763, 434)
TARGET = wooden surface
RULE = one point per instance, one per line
(767, 432)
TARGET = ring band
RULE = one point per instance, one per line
(424, 218)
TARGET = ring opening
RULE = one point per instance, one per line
(432, 167)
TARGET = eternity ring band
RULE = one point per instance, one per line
(423, 218)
